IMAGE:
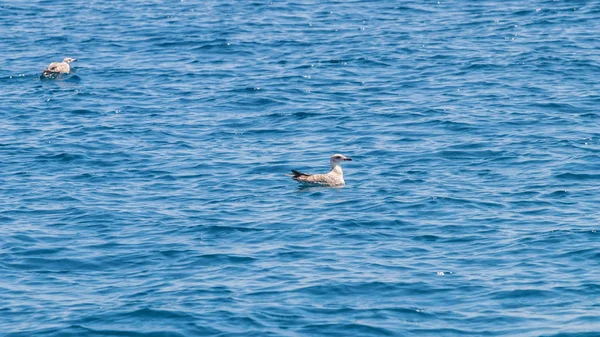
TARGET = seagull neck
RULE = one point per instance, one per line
(336, 168)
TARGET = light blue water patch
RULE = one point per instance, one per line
(145, 194)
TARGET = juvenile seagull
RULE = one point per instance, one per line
(334, 178)
(56, 68)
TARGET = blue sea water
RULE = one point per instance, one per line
(145, 194)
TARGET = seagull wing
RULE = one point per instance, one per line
(59, 67)
(54, 67)
(320, 179)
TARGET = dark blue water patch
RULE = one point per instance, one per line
(572, 334)
(78, 330)
(358, 329)
(577, 176)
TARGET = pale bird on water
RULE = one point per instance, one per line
(334, 178)
(56, 68)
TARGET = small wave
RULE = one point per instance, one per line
(578, 176)
(63, 157)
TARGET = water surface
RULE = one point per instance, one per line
(145, 194)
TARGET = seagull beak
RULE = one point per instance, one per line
(347, 159)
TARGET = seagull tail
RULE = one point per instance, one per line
(299, 174)
(49, 73)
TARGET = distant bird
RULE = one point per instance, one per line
(56, 68)
(334, 178)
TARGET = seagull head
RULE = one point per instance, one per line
(69, 60)
(337, 159)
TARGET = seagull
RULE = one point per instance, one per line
(334, 178)
(56, 68)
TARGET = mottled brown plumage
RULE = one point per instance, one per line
(334, 178)
(56, 68)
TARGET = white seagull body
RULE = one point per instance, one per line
(334, 178)
(56, 68)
